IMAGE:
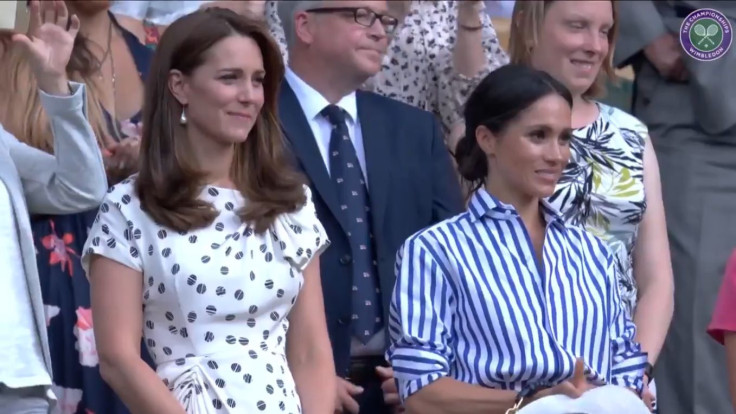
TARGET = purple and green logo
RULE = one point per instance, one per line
(706, 34)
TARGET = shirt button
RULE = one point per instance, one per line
(346, 260)
(342, 321)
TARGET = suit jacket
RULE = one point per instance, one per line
(39, 183)
(412, 185)
(710, 98)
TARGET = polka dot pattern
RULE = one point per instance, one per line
(215, 299)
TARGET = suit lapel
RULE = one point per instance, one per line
(300, 136)
(374, 126)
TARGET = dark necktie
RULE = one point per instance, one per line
(351, 189)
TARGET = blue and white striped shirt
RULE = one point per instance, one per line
(470, 304)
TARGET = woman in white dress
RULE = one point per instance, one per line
(212, 250)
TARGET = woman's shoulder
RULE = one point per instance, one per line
(123, 196)
(435, 236)
(622, 119)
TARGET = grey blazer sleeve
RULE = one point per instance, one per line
(74, 178)
(639, 24)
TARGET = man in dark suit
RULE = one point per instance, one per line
(378, 169)
(690, 108)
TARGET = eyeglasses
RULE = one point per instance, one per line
(363, 16)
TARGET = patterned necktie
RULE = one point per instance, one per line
(348, 177)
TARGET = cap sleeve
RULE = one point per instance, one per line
(302, 234)
(113, 234)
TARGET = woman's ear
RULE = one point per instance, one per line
(178, 87)
(487, 140)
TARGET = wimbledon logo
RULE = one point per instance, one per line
(706, 34)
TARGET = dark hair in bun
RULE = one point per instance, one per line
(499, 98)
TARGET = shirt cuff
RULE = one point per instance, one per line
(414, 369)
(56, 104)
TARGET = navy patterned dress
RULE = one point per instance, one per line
(66, 292)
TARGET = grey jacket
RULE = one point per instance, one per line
(712, 86)
(73, 180)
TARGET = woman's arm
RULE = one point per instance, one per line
(118, 320)
(420, 326)
(652, 265)
(475, 53)
(308, 348)
(628, 361)
(449, 396)
(468, 55)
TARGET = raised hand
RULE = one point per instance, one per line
(49, 43)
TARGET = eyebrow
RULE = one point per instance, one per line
(240, 71)
(578, 16)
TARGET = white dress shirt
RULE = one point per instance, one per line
(312, 103)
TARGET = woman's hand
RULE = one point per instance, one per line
(573, 388)
(49, 43)
(647, 396)
(121, 159)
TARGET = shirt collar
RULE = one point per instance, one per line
(312, 102)
(482, 204)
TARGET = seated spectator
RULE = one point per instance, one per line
(611, 185)
(723, 325)
(506, 305)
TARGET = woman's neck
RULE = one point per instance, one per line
(95, 26)
(213, 158)
(527, 207)
(584, 111)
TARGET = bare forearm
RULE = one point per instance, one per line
(140, 388)
(468, 56)
(652, 318)
(449, 396)
(315, 383)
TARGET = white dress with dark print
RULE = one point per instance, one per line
(602, 188)
(216, 299)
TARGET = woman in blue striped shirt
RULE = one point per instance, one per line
(505, 304)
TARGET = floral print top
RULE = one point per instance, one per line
(602, 188)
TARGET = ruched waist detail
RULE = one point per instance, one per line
(239, 381)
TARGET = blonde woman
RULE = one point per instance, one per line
(611, 185)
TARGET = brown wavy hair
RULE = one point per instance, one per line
(526, 24)
(169, 181)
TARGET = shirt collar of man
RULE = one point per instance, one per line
(313, 102)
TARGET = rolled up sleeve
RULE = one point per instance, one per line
(420, 323)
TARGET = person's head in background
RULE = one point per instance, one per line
(210, 118)
(517, 123)
(335, 46)
(571, 40)
(20, 109)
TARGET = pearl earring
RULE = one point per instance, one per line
(183, 117)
